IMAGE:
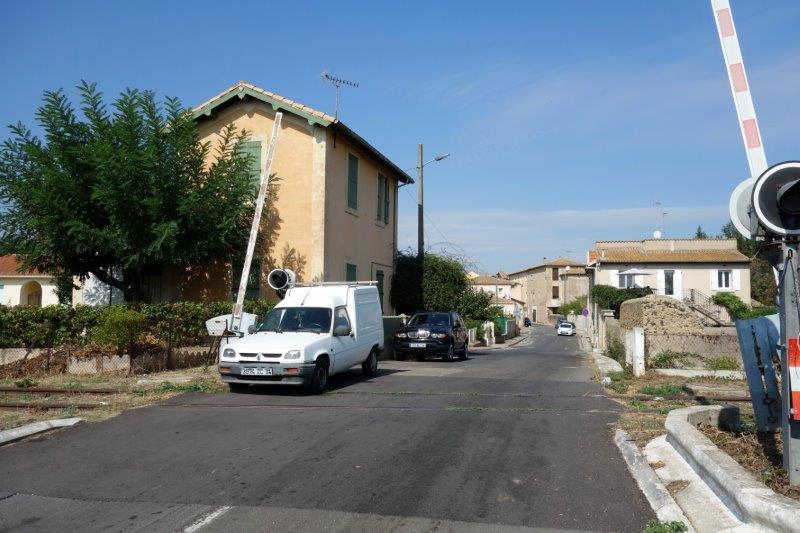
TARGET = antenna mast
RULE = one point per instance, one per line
(337, 82)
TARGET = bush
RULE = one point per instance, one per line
(738, 309)
(575, 306)
(616, 350)
(608, 297)
(668, 358)
(118, 328)
(723, 363)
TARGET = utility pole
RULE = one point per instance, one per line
(420, 222)
(790, 359)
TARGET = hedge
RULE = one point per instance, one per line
(608, 297)
(740, 310)
(174, 323)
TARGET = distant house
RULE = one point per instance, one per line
(546, 286)
(20, 286)
(501, 291)
(692, 269)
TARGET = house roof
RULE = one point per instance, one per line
(244, 89)
(636, 255)
(506, 301)
(576, 271)
(489, 280)
(10, 266)
(559, 262)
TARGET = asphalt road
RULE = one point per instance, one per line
(518, 438)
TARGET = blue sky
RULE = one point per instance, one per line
(565, 120)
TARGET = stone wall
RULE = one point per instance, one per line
(659, 315)
(705, 345)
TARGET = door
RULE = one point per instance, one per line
(344, 346)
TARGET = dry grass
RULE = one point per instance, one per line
(134, 391)
(759, 453)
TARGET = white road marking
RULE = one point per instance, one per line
(203, 522)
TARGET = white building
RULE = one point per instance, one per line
(24, 287)
(694, 269)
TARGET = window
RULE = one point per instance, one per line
(352, 181)
(555, 291)
(340, 318)
(555, 274)
(316, 319)
(252, 149)
(379, 279)
(350, 272)
(724, 279)
(383, 199)
(627, 281)
(669, 282)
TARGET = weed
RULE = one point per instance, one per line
(669, 358)
(616, 350)
(197, 385)
(657, 526)
(24, 383)
(666, 390)
(723, 363)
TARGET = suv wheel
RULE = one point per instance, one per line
(464, 352)
(370, 366)
(319, 378)
(450, 355)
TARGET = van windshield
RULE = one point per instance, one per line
(314, 319)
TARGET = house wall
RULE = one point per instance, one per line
(573, 287)
(501, 291)
(356, 236)
(696, 276)
(294, 166)
(12, 288)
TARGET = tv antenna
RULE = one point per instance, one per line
(337, 83)
(661, 214)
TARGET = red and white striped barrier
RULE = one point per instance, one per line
(740, 88)
(794, 376)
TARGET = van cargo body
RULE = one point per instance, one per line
(314, 332)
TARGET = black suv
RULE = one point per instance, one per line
(440, 334)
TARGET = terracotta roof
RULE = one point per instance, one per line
(489, 280)
(559, 261)
(243, 88)
(576, 271)
(10, 266)
(635, 255)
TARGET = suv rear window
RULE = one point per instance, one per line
(430, 319)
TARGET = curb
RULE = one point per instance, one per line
(657, 495)
(747, 498)
(688, 373)
(10, 435)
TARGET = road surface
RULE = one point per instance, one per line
(518, 437)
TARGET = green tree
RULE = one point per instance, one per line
(762, 279)
(121, 192)
(700, 234)
(443, 287)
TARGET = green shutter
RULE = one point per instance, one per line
(386, 200)
(379, 278)
(379, 212)
(252, 149)
(352, 181)
(351, 272)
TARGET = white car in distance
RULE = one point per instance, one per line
(566, 328)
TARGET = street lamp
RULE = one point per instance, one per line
(420, 198)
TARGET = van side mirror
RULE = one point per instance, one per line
(251, 329)
(341, 331)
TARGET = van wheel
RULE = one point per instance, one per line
(450, 355)
(463, 355)
(319, 378)
(237, 387)
(370, 366)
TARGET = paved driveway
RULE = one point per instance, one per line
(518, 437)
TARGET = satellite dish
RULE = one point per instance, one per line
(776, 198)
(741, 211)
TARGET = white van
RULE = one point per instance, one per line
(314, 332)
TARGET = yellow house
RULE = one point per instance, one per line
(335, 217)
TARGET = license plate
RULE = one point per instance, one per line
(256, 371)
(416, 344)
